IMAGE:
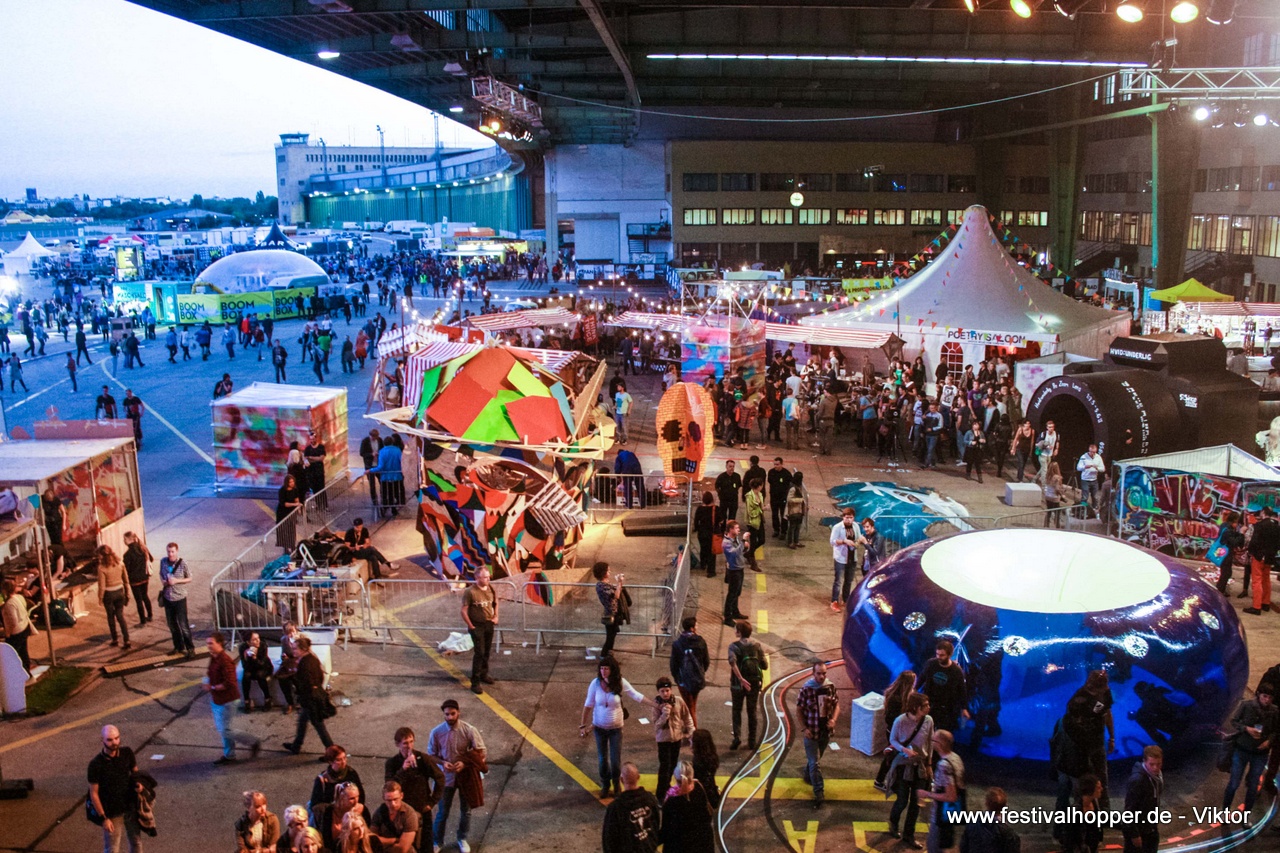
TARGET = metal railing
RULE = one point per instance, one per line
(430, 604)
(1073, 517)
(575, 611)
(681, 585)
(265, 605)
(615, 496)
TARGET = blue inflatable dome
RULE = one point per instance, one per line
(1031, 613)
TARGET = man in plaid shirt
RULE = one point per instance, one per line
(819, 708)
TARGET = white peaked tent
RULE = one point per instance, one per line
(974, 295)
(21, 259)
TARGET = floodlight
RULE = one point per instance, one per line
(1261, 120)
(455, 108)
(971, 5)
(1021, 8)
(1220, 12)
(1070, 8)
(327, 54)
(1130, 11)
(1201, 113)
(1184, 12)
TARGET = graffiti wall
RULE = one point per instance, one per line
(1180, 513)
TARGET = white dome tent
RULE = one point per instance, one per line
(260, 270)
(974, 295)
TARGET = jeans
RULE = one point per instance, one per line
(962, 443)
(734, 580)
(482, 638)
(843, 582)
(813, 750)
(609, 753)
(1089, 493)
(224, 717)
(306, 714)
(906, 801)
(668, 755)
(125, 826)
(621, 421)
(113, 601)
(442, 817)
(611, 629)
(752, 701)
(778, 511)
(1255, 762)
(175, 614)
(930, 451)
(707, 555)
(794, 523)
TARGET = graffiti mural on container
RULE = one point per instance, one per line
(1181, 513)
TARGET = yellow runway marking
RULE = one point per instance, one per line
(97, 716)
(268, 510)
(761, 585)
(762, 621)
(570, 769)
(806, 840)
(860, 830)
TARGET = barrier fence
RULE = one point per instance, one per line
(903, 531)
(265, 605)
(433, 605)
(615, 496)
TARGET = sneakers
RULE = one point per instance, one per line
(477, 689)
(290, 748)
(882, 788)
(735, 744)
(1253, 611)
(835, 607)
(224, 760)
(463, 846)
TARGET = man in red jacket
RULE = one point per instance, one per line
(224, 695)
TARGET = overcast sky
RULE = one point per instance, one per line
(108, 98)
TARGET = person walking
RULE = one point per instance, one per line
(229, 340)
(689, 663)
(1263, 545)
(911, 739)
(134, 410)
(705, 525)
(82, 345)
(137, 566)
(105, 406)
(779, 482)
(755, 523)
(71, 372)
(686, 815)
(622, 403)
(603, 707)
(747, 665)
(826, 420)
(174, 576)
(614, 599)
(1091, 468)
(947, 788)
(113, 593)
(1232, 540)
(224, 695)
(112, 795)
(480, 614)
(1142, 802)
(818, 706)
(632, 820)
(184, 341)
(975, 451)
(310, 686)
(895, 701)
(733, 544)
(1254, 731)
(454, 743)
(280, 361)
(171, 344)
(672, 726)
(370, 447)
(15, 374)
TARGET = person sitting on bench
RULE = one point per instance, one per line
(361, 545)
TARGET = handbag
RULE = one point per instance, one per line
(898, 769)
(91, 813)
(325, 709)
(1217, 554)
(717, 544)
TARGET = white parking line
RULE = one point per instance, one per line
(31, 397)
(151, 410)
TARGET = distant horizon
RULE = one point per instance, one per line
(110, 117)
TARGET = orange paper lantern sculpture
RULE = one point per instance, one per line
(686, 429)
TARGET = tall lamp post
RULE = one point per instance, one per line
(382, 148)
(324, 156)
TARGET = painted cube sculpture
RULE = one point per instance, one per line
(1031, 613)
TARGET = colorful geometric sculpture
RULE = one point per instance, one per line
(686, 429)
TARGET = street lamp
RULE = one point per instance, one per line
(383, 149)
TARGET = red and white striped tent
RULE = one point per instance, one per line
(530, 318)
(851, 338)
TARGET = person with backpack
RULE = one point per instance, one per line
(818, 707)
(279, 360)
(672, 726)
(947, 793)
(747, 663)
(796, 508)
(689, 664)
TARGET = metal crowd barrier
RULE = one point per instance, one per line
(615, 496)
(1073, 517)
(931, 527)
(265, 605)
(429, 604)
(575, 611)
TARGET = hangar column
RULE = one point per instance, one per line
(1066, 159)
(1175, 153)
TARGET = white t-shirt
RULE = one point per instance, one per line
(606, 707)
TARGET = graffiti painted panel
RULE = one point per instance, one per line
(1181, 513)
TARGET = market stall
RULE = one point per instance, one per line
(253, 427)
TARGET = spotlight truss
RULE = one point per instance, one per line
(1203, 84)
(506, 101)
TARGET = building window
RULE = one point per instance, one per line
(771, 182)
(851, 216)
(699, 216)
(738, 216)
(1033, 185)
(700, 182)
(768, 216)
(1268, 237)
(814, 216)
(889, 217)
(926, 217)
(853, 182)
(926, 183)
(815, 183)
(737, 182)
(955, 216)
(891, 183)
(1033, 218)
(962, 184)
(1270, 181)
(953, 358)
(1006, 218)
(1242, 235)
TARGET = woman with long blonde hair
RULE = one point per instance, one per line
(113, 592)
(355, 835)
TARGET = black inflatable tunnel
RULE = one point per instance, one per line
(1127, 412)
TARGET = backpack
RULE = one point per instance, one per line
(749, 666)
(692, 676)
(795, 504)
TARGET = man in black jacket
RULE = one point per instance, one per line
(309, 682)
(993, 837)
(728, 486)
(369, 447)
(690, 676)
(1146, 784)
(1263, 546)
(1254, 725)
(779, 479)
(419, 775)
(631, 821)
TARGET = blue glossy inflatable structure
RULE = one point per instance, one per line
(1031, 613)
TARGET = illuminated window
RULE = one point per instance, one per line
(699, 216)
(814, 216)
(926, 217)
(955, 216)
(1033, 218)
(738, 216)
(769, 216)
(953, 358)
(889, 217)
(851, 216)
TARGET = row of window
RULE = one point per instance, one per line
(825, 182)
(1208, 232)
(365, 158)
(1238, 179)
(848, 216)
(1118, 182)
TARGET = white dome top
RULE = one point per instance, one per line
(262, 269)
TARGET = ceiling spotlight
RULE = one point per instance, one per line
(1261, 120)
(1184, 12)
(1220, 12)
(1130, 11)
(495, 124)
(1070, 8)
(327, 54)
(1022, 8)
(1201, 113)
(455, 108)
(972, 5)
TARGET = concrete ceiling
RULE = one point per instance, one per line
(590, 65)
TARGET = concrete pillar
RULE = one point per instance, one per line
(1066, 159)
(1175, 152)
